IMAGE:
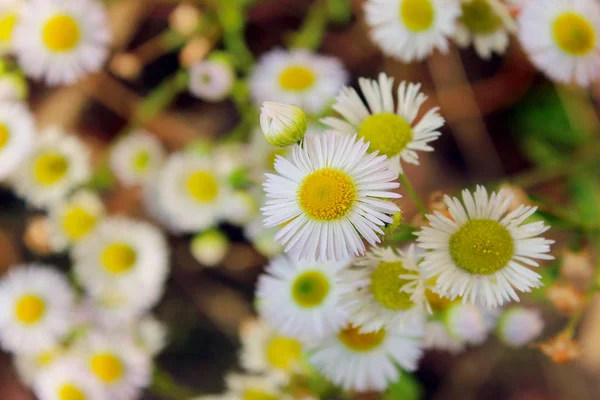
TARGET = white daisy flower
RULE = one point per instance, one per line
(68, 378)
(252, 387)
(487, 24)
(58, 163)
(17, 136)
(330, 195)
(385, 289)
(437, 338)
(519, 326)
(211, 80)
(61, 40)
(265, 351)
(151, 334)
(481, 253)
(73, 219)
(122, 369)
(121, 256)
(368, 361)
(301, 299)
(298, 77)
(30, 365)
(114, 307)
(36, 308)
(136, 158)
(9, 16)
(392, 130)
(410, 30)
(562, 38)
(467, 323)
(191, 192)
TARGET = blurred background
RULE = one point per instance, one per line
(506, 123)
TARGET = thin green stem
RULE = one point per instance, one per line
(164, 385)
(412, 193)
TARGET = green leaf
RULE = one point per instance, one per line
(339, 11)
(586, 196)
(406, 388)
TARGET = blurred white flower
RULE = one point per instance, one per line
(518, 326)
(68, 378)
(209, 248)
(136, 158)
(9, 16)
(17, 137)
(211, 80)
(437, 338)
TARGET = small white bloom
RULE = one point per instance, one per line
(437, 338)
(562, 38)
(329, 196)
(368, 361)
(394, 131)
(282, 124)
(61, 40)
(151, 334)
(136, 158)
(9, 16)
(68, 378)
(265, 351)
(210, 248)
(297, 77)
(467, 323)
(122, 256)
(487, 24)
(30, 365)
(191, 192)
(385, 289)
(410, 30)
(17, 137)
(36, 308)
(519, 326)
(300, 299)
(58, 163)
(482, 253)
(73, 219)
(211, 80)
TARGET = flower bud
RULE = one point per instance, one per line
(565, 298)
(561, 349)
(466, 322)
(211, 80)
(519, 326)
(282, 124)
(210, 248)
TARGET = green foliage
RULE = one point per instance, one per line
(406, 388)
(586, 196)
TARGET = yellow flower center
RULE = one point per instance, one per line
(30, 309)
(283, 352)
(574, 34)
(386, 285)
(70, 392)
(389, 133)
(4, 135)
(310, 289)
(482, 246)
(49, 168)
(61, 33)
(78, 222)
(479, 17)
(141, 161)
(7, 24)
(46, 357)
(296, 78)
(107, 367)
(353, 339)
(327, 194)
(202, 186)
(417, 15)
(257, 394)
(118, 258)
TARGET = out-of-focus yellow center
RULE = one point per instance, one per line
(61, 33)
(107, 367)
(283, 353)
(202, 186)
(257, 394)
(141, 161)
(327, 194)
(479, 17)
(78, 222)
(310, 289)
(118, 258)
(296, 78)
(70, 392)
(7, 24)
(353, 339)
(389, 133)
(386, 285)
(44, 358)
(49, 168)
(574, 34)
(30, 309)
(4, 135)
(417, 15)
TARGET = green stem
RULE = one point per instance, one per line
(164, 385)
(412, 193)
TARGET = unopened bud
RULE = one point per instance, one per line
(126, 66)
(561, 349)
(185, 19)
(37, 236)
(565, 298)
(466, 322)
(210, 248)
(282, 124)
(519, 326)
